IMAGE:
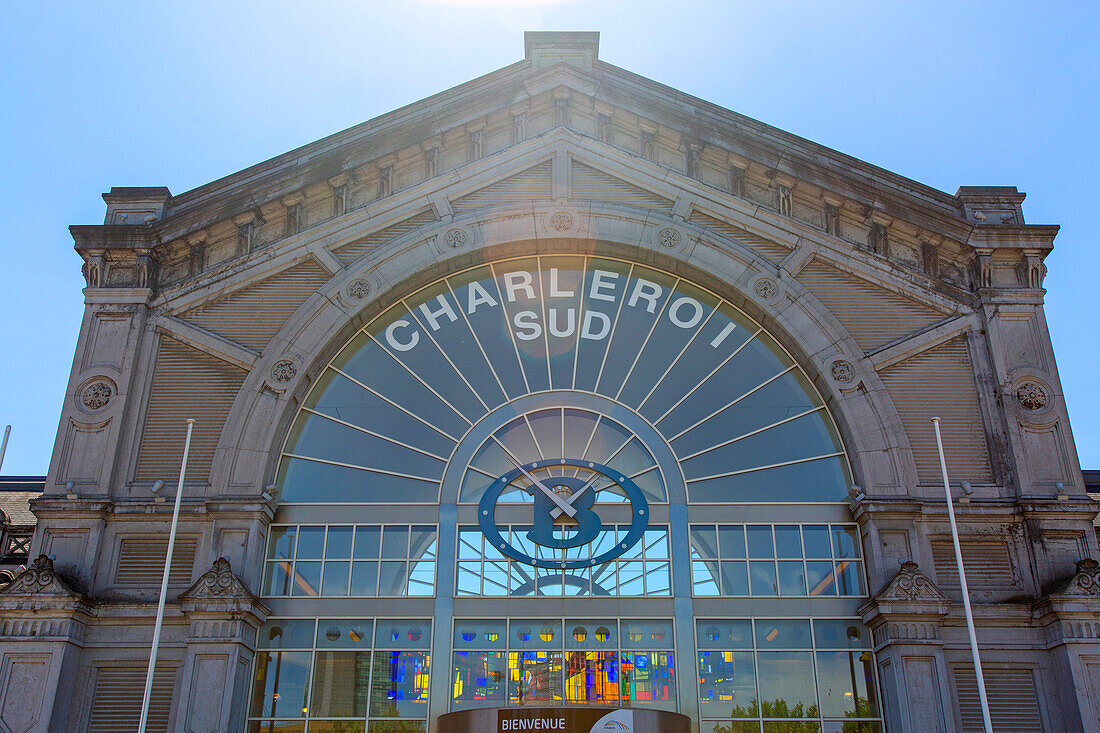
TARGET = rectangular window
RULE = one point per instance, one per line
(786, 674)
(341, 675)
(350, 560)
(776, 560)
(550, 661)
(642, 570)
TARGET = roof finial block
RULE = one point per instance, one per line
(546, 48)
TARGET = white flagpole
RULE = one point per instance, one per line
(164, 584)
(962, 584)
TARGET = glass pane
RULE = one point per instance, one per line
(337, 726)
(637, 634)
(276, 726)
(280, 543)
(760, 541)
(788, 727)
(277, 578)
(727, 685)
(735, 579)
(399, 684)
(422, 543)
(590, 634)
(849, 578)
(792, 578)
(402, 634)
(364, 579)
(421, 578)
(725, 634)
(704, 541)
(817, 542)
(534, 677)
(336, 579)
(337, 633)
(395, 543)
(704, 578)
(397, 726)
(788, 541)
(338, 546)
(731, 541)
(844, 680)
(845, 541)
(648, 678)
(307, 579)
(852, 726)
(762, 576)
(787, 684)
(479, 634)
(592, 678)
(279, 687)
(783, 633)
(339, 688)
(286, 633)
(366, 542)
(392, 578)
(479, 679)
(311, 542)
(820, 578)
(535, 634)
(841, 634)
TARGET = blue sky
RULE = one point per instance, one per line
(178, 94)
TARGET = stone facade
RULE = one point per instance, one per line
(224, 303)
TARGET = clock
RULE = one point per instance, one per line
(564, 513)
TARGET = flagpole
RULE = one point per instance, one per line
(962, 583)
(164, 583)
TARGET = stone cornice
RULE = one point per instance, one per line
(788, 155)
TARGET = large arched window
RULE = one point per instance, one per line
(566, 357)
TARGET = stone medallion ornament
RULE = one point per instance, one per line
(562, 221)
(455, 237)
(96, 395)
(564, 501)
(842, 371)
(284, 370)
(766, 288)
(358, 288)
(1031, 396)
(668, 237)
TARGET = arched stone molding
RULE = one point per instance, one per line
(261, 416)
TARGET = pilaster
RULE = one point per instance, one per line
(223, 616)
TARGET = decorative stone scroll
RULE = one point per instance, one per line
(910, 584)
(217, 583)
(40, 579)
(1084, 583)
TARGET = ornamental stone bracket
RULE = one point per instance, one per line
(220, 606)
(909, 609)
(1071, 611)
(117, 256)
(43, 605)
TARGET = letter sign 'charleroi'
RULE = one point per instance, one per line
(563, 509)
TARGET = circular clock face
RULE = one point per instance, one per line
(565, 493)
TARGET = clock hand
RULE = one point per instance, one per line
(557, 512)
(562, 504)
